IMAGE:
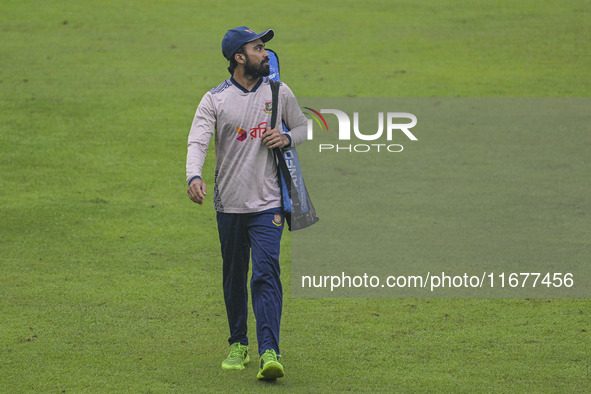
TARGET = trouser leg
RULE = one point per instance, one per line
(265, 229)
(235, 255)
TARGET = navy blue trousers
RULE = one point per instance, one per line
(257, 234)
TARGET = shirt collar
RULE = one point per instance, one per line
(254, 89)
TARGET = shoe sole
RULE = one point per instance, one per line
(236, 367)
(272, 371)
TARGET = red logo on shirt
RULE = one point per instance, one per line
(255, 132)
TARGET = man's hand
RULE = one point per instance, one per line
(272, 138)
(197, 191)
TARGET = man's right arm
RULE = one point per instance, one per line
(202, 130)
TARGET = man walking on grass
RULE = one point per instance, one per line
(246, 194)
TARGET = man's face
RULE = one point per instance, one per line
(257, 59)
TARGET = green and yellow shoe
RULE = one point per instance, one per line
(237, 357)
(269, 367)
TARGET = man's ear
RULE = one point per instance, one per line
(240, 58)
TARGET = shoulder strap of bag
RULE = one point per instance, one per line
(295, 200)
(275, 98)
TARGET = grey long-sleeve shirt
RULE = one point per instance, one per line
(246, 172)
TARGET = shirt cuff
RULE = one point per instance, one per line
(192, 179)
(289, 138)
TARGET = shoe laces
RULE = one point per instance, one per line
(236, 350)
(270, 355)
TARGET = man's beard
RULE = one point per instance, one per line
(257, 70)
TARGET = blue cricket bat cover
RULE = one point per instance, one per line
(302, 213)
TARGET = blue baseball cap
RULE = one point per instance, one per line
(239, 36)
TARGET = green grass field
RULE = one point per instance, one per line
(110, 278)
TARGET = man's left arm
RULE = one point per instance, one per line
(293, 117)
